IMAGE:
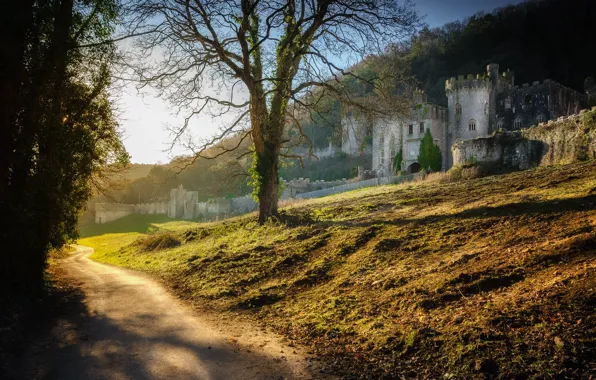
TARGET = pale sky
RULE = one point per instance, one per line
(145, 117)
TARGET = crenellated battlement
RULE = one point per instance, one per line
(470, 81)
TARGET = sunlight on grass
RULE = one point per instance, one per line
(433, 270)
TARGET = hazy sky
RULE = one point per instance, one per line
(144, 118)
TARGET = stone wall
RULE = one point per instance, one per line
(304, 185)
(522, 107)
(562, 141)
(183, 203)
(108, 212)
(359, 185)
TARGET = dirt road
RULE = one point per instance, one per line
(132, 328)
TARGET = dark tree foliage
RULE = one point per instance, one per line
(429, 157)
(546, 39)
(397, 160)
(536, 39)
(57, 127)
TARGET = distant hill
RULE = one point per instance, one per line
(136, 171)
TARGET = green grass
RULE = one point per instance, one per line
(474, 278)
(109, 244)
(139, 223)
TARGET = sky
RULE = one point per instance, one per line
(144, 117)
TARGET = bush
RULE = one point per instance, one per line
(430, 156)
(397, 160)
(158, 241)
(476, 170)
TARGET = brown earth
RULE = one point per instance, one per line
(123, 325)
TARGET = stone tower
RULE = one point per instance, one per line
(472, 105)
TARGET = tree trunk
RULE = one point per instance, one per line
(267, 167)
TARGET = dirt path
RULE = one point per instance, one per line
(132, 328)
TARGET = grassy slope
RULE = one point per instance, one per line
(493, 276)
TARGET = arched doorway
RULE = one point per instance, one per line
(414, 168)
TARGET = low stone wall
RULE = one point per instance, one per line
(358, 185)
(108, 212)
(562, 141)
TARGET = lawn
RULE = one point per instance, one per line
(489, 277)
(139, 223)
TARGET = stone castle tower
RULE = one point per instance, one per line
(478, 105)
(472, 104)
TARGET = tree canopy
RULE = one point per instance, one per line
(58, 128)
(251, 59)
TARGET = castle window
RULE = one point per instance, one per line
(410, 129)
(458, 109)
(500, 124)
(528, 100)
(540, 118)
(486, 108)
(421, 127)
(517, 123)
(472, 125)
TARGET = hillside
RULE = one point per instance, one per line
(490, 277)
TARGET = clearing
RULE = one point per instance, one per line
(488, 277)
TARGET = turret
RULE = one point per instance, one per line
(493, 73)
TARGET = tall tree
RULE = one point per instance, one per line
(429, 157)
(59, 129)
(253, 58)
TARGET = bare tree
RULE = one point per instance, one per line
(253, 58)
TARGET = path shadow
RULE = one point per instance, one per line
(554, 206)
(80, 344)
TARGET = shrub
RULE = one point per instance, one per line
(430, 156)
(158, 241)
(397, 160)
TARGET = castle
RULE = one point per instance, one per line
(477, 106)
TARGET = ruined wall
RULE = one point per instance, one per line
(522, 107)
(355, 130)
(561, 141)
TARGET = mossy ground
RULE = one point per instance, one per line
(491, 277)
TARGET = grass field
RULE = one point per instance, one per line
(482, 278)
(139, 223)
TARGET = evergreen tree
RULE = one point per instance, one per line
(57, 128)
(397, 160)
(430, 157)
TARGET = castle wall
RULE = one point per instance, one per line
(561, 141)
(353, 134)
(522, 107)
(389, 135)
(182, 203)
(385, 145)
(474, 97)
(108, 212)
